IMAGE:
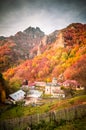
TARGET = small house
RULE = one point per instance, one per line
(35, 93)
(72, 84)
(33, 97)
(17, 96)
(40, 84)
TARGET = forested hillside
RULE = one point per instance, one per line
(16, 49)
(63, 57)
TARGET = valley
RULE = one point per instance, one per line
(54, 65)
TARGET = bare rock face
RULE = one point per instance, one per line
(19, 47)
(47, 41)
(59, 40)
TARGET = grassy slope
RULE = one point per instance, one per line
(19, 111)
(73, 125)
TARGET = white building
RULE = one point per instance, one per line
(35, 93)
(54, 89)
(17, 96)
(33, 97)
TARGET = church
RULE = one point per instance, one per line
(54, 89)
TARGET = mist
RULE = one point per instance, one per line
(49, 15)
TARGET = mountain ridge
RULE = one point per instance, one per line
(19, 47)
(56, 57)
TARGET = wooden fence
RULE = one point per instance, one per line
(22, 123)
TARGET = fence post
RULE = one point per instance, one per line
(50, 116)
(38, 117)
(28, 128)
(54, 116)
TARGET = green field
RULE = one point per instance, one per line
(70, 115)
(8, 112)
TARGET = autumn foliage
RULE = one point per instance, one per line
(68, 59)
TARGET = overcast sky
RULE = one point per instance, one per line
(49, 15)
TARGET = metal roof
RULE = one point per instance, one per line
(17, 95)
(52, 84)
(35, 93)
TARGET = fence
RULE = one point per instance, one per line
(64, 114)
